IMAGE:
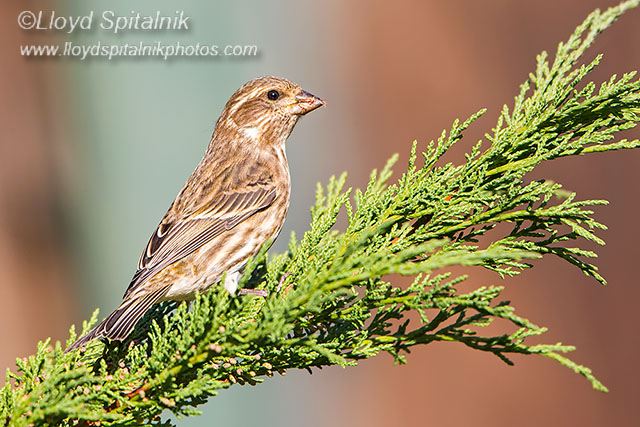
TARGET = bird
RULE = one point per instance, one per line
(234, 202)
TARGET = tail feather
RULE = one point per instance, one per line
(120, 323)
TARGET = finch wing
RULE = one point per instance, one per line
(173, 240)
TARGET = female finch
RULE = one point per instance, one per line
(235, 201)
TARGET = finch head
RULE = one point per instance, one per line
(266, 109)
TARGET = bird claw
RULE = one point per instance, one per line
(264, 292)
(281, 282)
(256, 292)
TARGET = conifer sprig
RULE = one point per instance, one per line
(332, 300)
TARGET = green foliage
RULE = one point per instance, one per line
(331, 301)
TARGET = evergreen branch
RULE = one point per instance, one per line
(331, 300)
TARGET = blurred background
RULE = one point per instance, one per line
(93, 152)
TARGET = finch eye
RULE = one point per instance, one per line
(273, 95)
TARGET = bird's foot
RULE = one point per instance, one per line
(281, 282)
(257, 292)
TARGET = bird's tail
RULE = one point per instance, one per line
(119, 324)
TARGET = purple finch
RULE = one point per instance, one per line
(235, 201)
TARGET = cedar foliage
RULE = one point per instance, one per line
(330, 299)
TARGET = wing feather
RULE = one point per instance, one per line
(173, 241)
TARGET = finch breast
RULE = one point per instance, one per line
(228, 252)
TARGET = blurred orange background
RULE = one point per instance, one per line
(94, 151)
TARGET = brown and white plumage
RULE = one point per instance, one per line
(235, 201)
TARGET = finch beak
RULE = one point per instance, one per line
(306, 102)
